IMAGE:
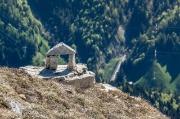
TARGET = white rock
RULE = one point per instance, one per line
(16, 107)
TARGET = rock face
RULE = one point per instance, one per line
(16, 107)
(108, 87)
(84, 81)
(81, 77)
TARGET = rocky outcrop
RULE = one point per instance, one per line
(84, 81)
(81, 77)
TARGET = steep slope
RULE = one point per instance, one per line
(100, 32)
(35, 98)
(157, 76)
(160, 32)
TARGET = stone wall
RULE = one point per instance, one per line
(71, 64)
(52, 62)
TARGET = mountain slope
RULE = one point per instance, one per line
(36, 98)
(157, 76)
(20, 35)
(101, 31)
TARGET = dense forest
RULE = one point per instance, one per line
(101, 31)
(167, 103)
(21, 41)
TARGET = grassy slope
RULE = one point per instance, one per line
(158, 77)
(41, 53)
(49, 99)
(167, 48)
(109, 68)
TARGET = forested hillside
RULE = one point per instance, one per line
(101, 32)
(96, 29)
(160, 31)
(21, 41)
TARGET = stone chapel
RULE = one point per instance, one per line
(60, 49)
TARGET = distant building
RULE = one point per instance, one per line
(60, 49)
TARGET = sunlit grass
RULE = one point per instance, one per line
(108, 70)
(157, 77)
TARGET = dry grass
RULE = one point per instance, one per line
(47, 99)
